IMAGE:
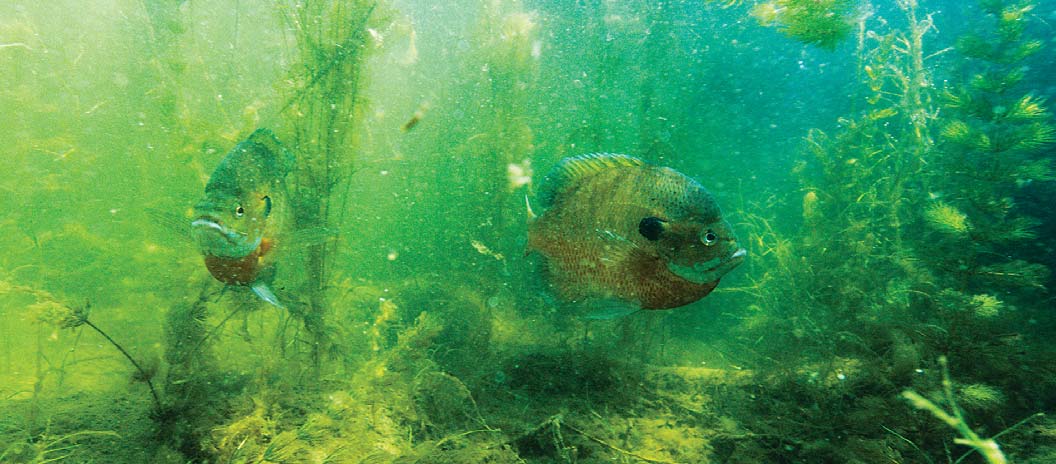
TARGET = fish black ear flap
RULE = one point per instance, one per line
(651, 228)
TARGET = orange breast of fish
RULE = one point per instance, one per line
(579, 270)
(238, 271)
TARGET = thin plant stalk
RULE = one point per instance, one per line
(987, 447)
(142, 372)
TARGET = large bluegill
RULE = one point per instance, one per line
(616, 228)
(239, 221)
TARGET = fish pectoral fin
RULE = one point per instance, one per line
(261, 289)
(175, 225)
(313, 235)
(616, 249)
(301, 239)
(627, 256)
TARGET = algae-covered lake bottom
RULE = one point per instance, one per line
(887, 165)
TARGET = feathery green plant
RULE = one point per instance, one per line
(331, 40)
(824, 23)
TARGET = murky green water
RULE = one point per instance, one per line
(888, 166)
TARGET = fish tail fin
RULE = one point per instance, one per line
(261, 289)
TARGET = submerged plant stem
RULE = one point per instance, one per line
(987, 447)
(143, 372)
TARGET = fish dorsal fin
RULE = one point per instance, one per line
(574, 168)
(276, 157)
(258, 159)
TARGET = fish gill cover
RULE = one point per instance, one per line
(887, 165)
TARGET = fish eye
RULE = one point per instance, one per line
(651, 228)
(239, 211)
(709, 238)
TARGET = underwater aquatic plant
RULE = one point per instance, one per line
(946, 218)
(980, 397)
(50, 310)
(959, 132)
(986, 305)
(992, 145)
(824, 23)
(68, 317)
(508, 57)
(46, 447)
(954, 417)
(895, 170)
(330, 40)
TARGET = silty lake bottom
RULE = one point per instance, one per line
(888, 166)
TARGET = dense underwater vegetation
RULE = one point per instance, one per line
(888, 164)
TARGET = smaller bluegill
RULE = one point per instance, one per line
(239, 221)
(617, 228)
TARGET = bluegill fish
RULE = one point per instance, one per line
(617, 228)
(238, 222)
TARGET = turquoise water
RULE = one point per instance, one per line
(887, 165)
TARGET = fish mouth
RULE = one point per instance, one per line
(708, 271)
(218, 240)
(207, 223)
(204, 224)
